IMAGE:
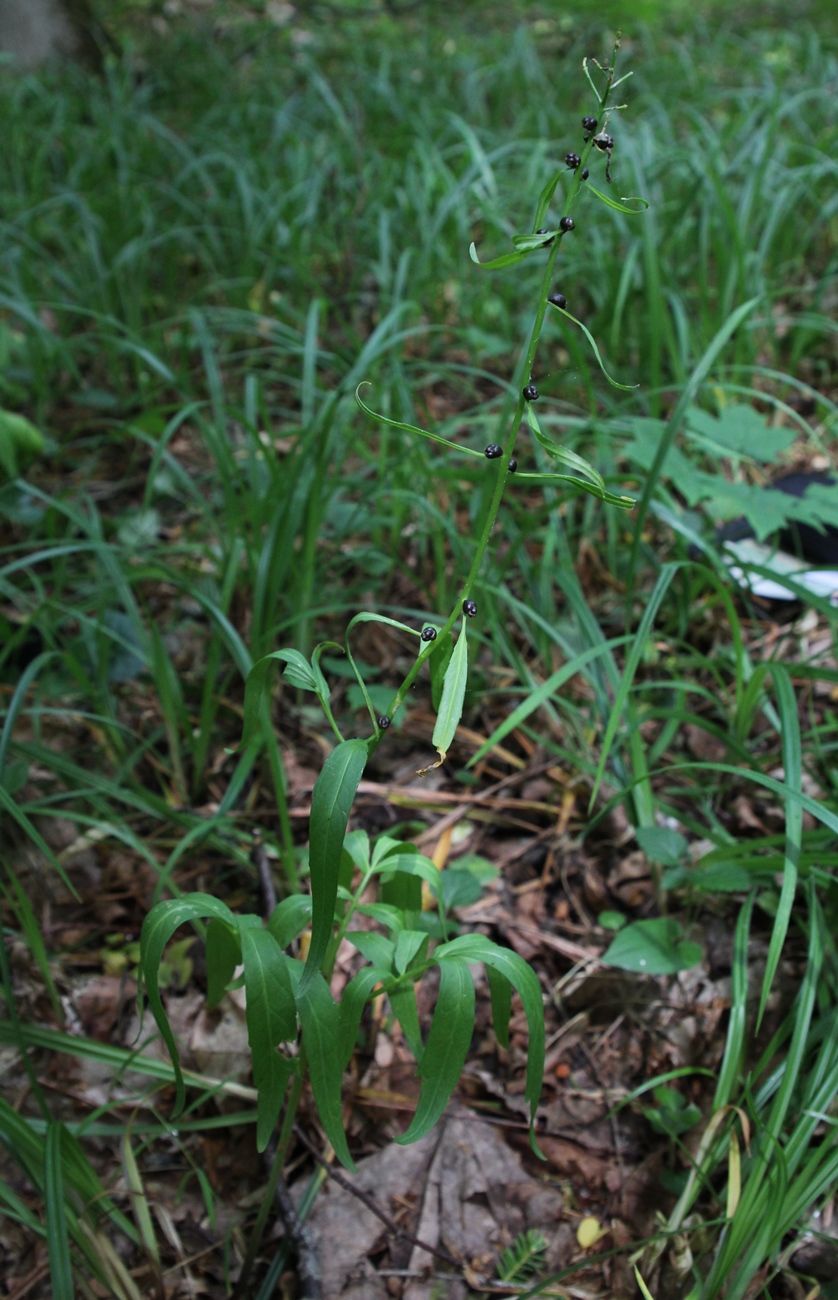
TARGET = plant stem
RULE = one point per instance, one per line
(509, 432)
(277, 1165)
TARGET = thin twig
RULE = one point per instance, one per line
(261, 861)
(304, 1244)
(372, 1205)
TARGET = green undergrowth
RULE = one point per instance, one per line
(206, 250)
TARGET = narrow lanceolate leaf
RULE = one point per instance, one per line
(453, 694)
(505, 259)
(792, 771)
(500, 991)
(527, 243)
(58, 1240)
(631, 204)
(300, 673)
(581, 485)
(158, 928)
(445, 1051)
(223, 956)
(475, 947)
(626, 388)
(414, 428)
(321, 1027)
(357, 993)
(331, 802)
(271, 1019)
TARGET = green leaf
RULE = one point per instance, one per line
(158, 927)
(271, 1019)
(662, 844)
(739, 430)
(652, 948)
(621, 204)
(449, 1039)
(356, 995)
(475, 947)
(58, 1240)
(529, 243)
(403, 1005)
(453, 694)
(289, 918)
(412, 864)
(626, 388)
(300, 673)
(505, 259)
(792, 772)
(223, 956)
(500, 991)
(334, 792)
(413, 428)
(18, 439)
(439, 659)
(582, 485)
(409, 943)
(320, 1022)
(366, 617)
(546, 195)
(562, 454)
(377, 948)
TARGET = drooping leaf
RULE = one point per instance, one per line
(413, 428)
(299, 672)
(581, 485)
(19, 440)
(271, 1019)
(505, 259)
(368, 617)
(449, 1039)
(403, 1005)
(158, 927)
(626, 388)
(438, 661)
(289, 918)
(622, 204)
(321, 1028)
(223, 956)
(453, 695)
(528, 243)
(334, 792)
(474, 948)
(356, 995)
(500, 991)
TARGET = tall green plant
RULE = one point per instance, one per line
(289, 1002)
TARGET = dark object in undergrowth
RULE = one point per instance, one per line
(530, 393)
(566, 224)
(791, 550)
(470, 608)
(803, 541)
(429, 634)
(558, 300)
(493, 450)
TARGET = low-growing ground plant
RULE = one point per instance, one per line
(299, 1034)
